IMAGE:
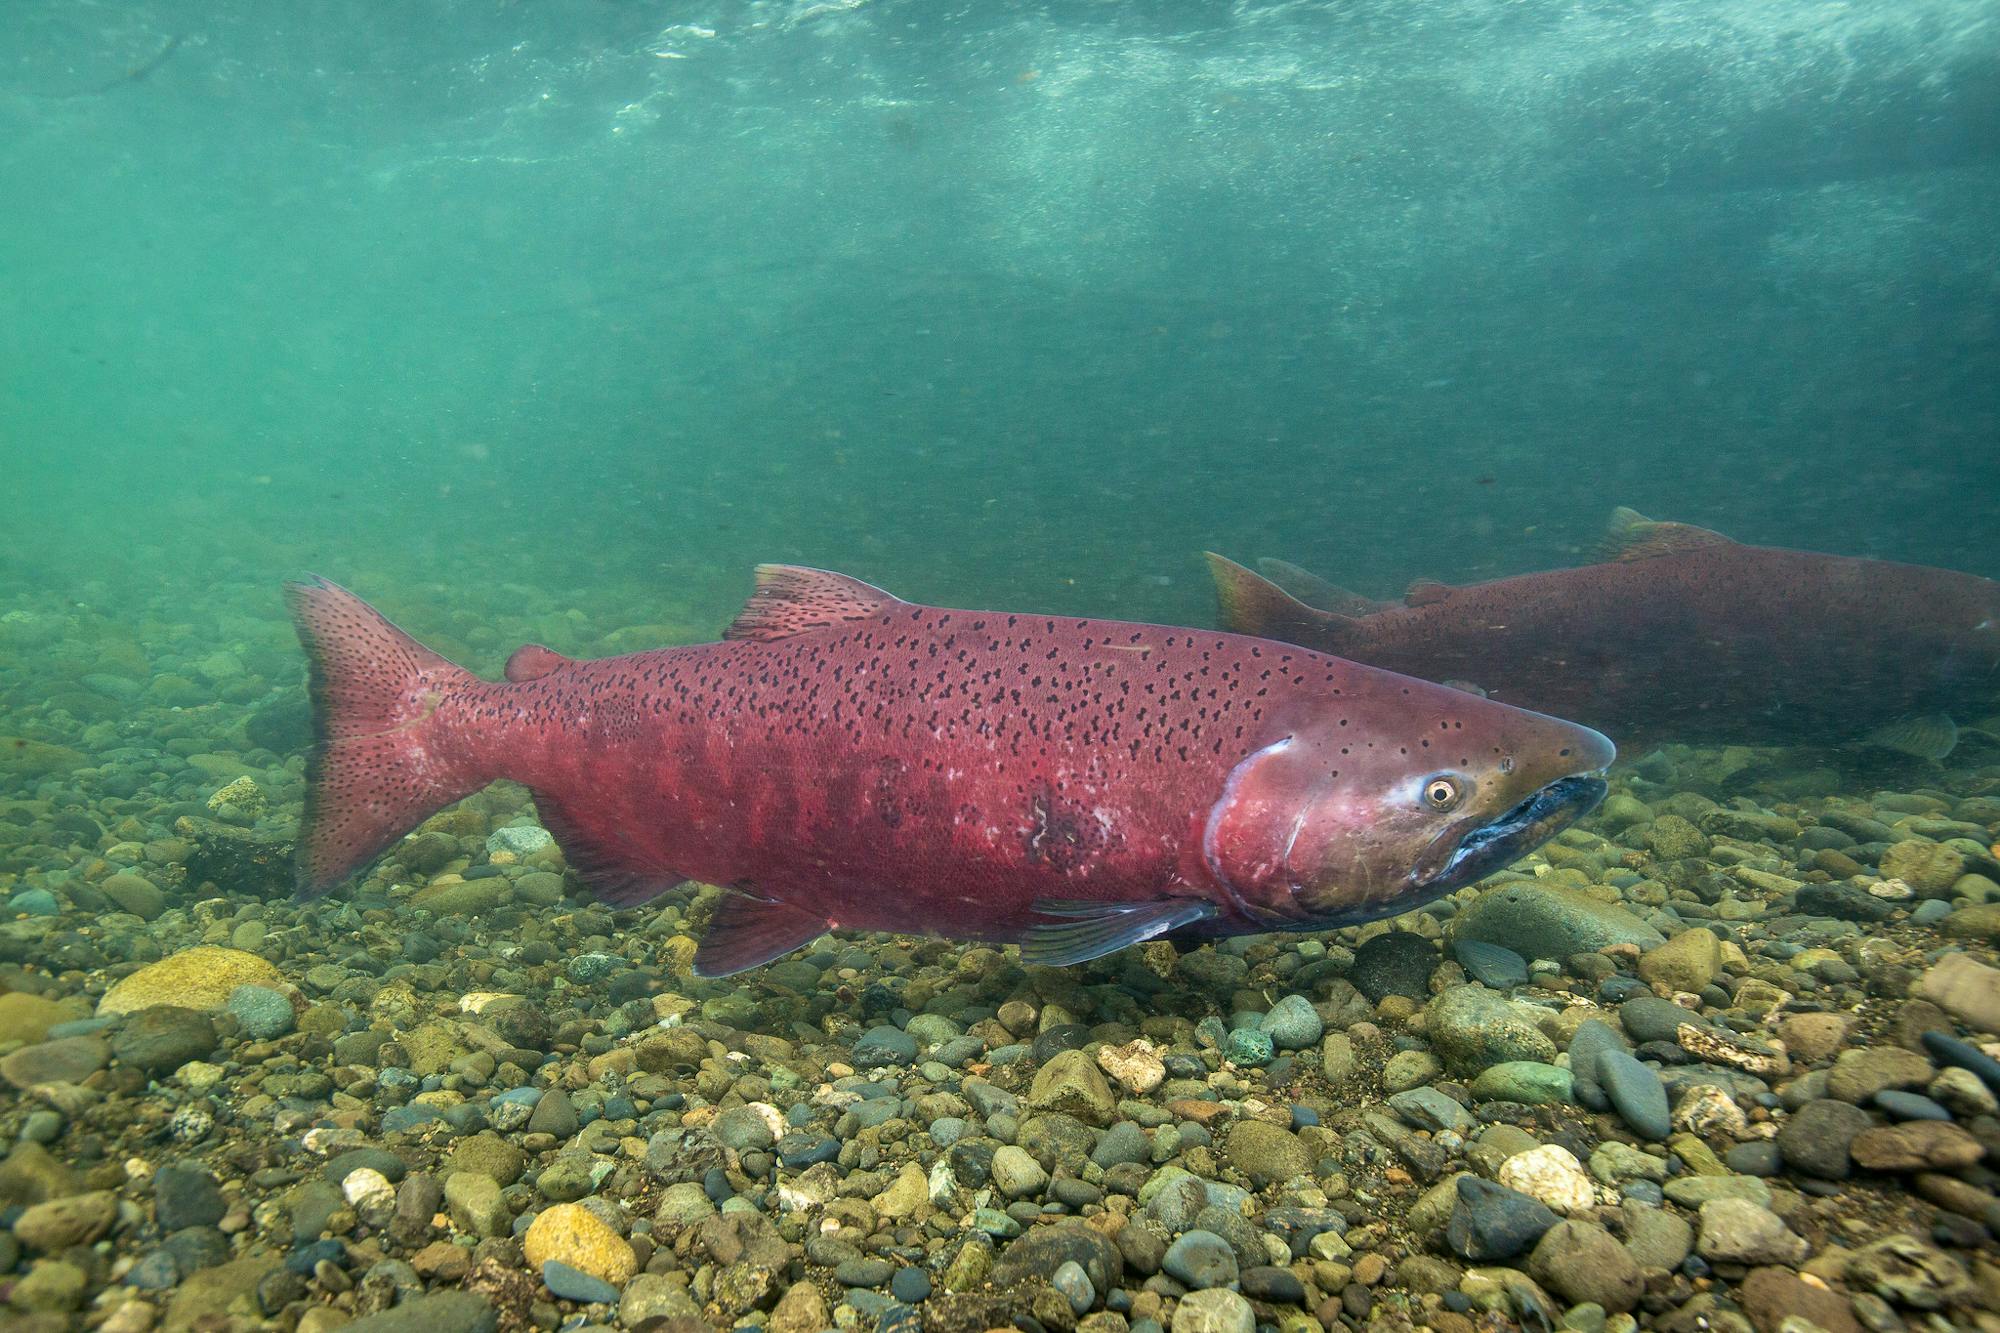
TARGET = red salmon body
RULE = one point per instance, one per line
(846, 760)
(1681, 634)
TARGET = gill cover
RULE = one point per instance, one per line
(1253, 828)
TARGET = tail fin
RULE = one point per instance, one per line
(1253, 604)
(384, 760)
(1316, 592)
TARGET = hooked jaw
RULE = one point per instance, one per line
(1292, 851)
(1471, 855)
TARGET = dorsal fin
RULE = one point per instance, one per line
(1424, 592)
(1632, 536)
(531, 661)
(1252, 604)
(791, 599)
(1313, 590)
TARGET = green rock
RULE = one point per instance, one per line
(566, 1179)
(30, 1174)
(50, 1286)
(21, 758)
(969, 1267)
(474, 1202)
(1931, 868)
(1978, 922)
(683, 1205)
(1687, 962)
(206, 1296)
(1617, 1163)
(1471, 1027)
(1071, 1084)
(1672, 838)
(1750, 825)
(431, 1047)
(1694, 1191)
(135, 894)
(1265, 1153)
(1528, 1081)
(471, 897)
(434, 1312)
(28, 1018)
(489, 1155)
(1538, 920)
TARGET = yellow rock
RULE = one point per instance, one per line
(570, 1233)
(27, 1018)
(197, 978)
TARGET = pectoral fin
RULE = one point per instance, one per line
(1932, 736)
(749, 932)
(1091, 929)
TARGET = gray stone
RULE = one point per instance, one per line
(1491, 965)
(1201, 1259)
(1292, 1024)
(1580, 1262)
(1427, 1108)
(1636, 1093)
(438, 1312)
(1816, 1139)
(186, 1195)
(1539, 920)
(64, 1060)
(161, 1039)
(264, 1014)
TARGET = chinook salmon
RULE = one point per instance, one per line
(1678, 633)
(843, 760)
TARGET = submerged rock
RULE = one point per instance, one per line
(199, 978)
(1539, 920)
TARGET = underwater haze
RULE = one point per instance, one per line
(545, 322)
(1001, 304)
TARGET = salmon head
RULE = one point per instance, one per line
(1384, 792)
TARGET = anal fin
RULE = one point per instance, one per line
(749, 932)
(1091, 929)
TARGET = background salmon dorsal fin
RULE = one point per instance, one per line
(1252, 604)
(1315, 591)
(791, 599)
(1632, 536)
(531, 661)
(1424, 592)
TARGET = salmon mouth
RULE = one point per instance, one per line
(1501, 842)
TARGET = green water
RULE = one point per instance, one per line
(1010, 306)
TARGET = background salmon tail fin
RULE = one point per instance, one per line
(1253, 604)
(384, 759)
(1316, 592)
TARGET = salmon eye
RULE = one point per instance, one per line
(1442, 793)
